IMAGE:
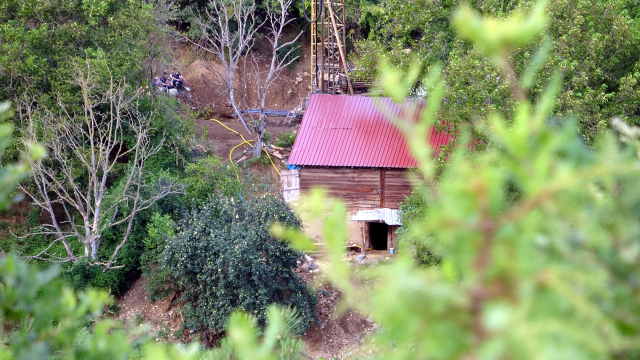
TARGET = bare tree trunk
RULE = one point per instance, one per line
(257, 145)
(229, 46)
(258, 138)
(83, 150)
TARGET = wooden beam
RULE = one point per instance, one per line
(382, 189)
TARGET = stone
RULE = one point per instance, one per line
(304, 269)
(313, 266)
(360, 257)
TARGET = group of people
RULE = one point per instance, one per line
(173, 81)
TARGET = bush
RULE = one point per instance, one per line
(286, 139)
(226, 259)
(412, 209)
(208, 176)
(159, 280)
(266, 136)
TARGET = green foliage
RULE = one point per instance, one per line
(206, 177)
(40, 40)
(174, 125)
(412, 210)
(538, 234)
(81, 275)
(279, 337)
(286, 139)
(12, 174)
(43, 319)
(266, 136)
(159, 280)
(593, 44)
(226, 260)
(263, 160)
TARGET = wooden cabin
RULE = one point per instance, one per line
(348, 145)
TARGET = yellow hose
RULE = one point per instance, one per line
(244, 141)
(228, 128)
(274, 165)
(231, 161)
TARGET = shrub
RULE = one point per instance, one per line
(159, 280)
(412, 209)
(286, 139)
(208, 176)
(226, 259)
(266, 136)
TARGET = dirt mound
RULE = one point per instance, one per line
(165, 321)
(337, 335)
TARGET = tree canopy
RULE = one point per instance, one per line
(226, 259)
(594, 45)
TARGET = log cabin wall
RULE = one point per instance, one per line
(359, 188)
(396, 186)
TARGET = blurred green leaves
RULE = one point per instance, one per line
(536, 232)
(43, 319)
(12, 174)
(496, 37)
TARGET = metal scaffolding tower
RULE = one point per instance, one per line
(329, 68)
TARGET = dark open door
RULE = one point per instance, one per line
(378, 235)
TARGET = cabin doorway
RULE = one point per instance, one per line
(378, 235)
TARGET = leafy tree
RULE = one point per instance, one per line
(226, 259)
(594, 44)
(538, 232)
(41, 39)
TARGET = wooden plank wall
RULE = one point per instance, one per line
(396, 186)
(359, 188)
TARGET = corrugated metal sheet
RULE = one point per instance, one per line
(340, 130)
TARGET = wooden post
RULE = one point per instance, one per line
(363, 240)
(382, 185)
(391, 237)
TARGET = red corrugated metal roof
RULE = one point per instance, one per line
(340, 130)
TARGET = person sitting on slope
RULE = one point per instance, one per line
(176, 79)
(165, 82)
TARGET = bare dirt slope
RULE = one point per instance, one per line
(207, 96)
(337, 335)
(162, 317)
